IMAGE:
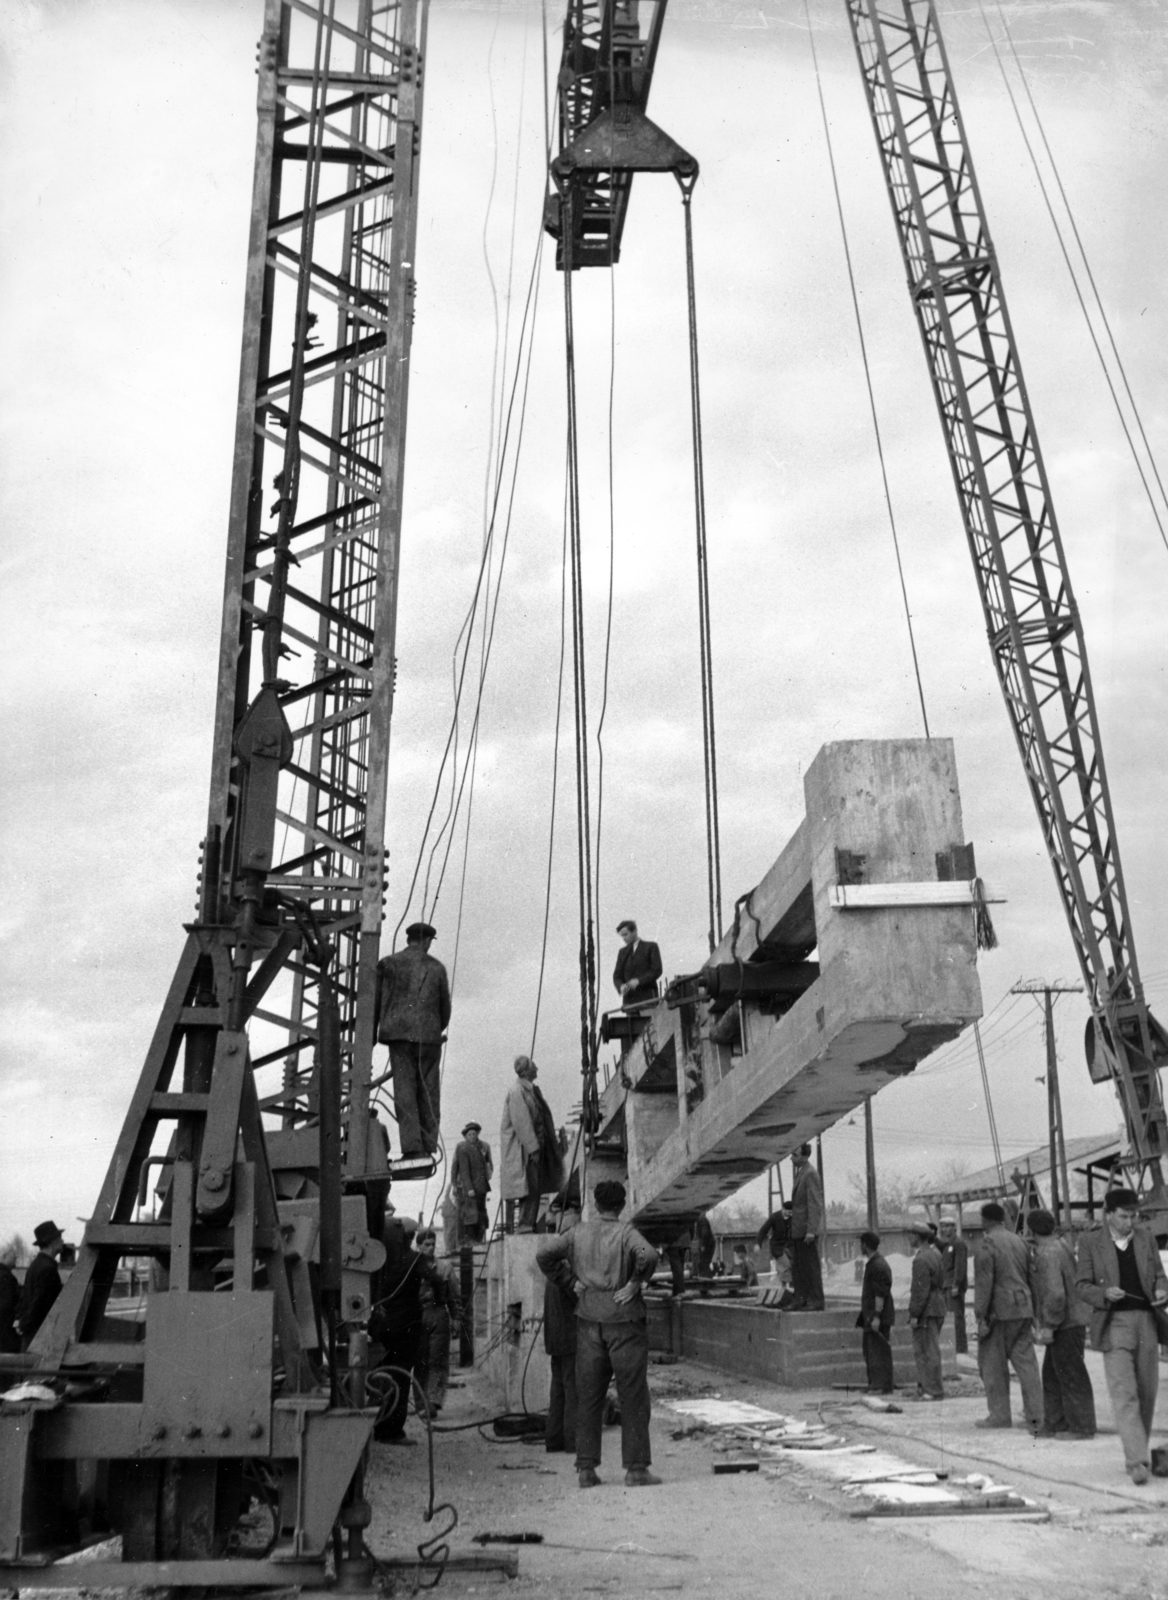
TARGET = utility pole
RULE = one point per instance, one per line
(870, 1167)
(1060, 1188)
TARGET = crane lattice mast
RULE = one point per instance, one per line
(1035, 632)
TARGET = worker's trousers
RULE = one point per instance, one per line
(1131, 1366)
(807, 1275)
(1067, 1397)
(416, 1094)
(606, 1350)
(399, 1344)
(960, 1337)
(878, 1360)
(926, 1337)
(1010, 1344)
(560, 1433)
(433, 1365)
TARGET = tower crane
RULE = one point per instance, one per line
(246, 1381)
(1035, 631)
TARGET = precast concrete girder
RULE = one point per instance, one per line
(711, 1092)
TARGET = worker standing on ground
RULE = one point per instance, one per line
(528, 1146)
(1060, 1324)
(705, 1244)
(473, 1171)
(808, 1226)
(926, 1311)
(877, 1316)
(413, 1013)
(638, 966)
(42, 1281)
(1005, 1312)
(1121, 1279)
(955, 1260)
(610, 1262)
(559, 1336)
(395, 1325)
(439, 1301)
(775, 1233)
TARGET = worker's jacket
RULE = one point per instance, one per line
(808, 1217)
(1057, 1302)
(1098, 1271)
(413, 997)
(955, 1260)
(927, 1293)
(1001, 1284)
(877, 1285)
(604, 1254)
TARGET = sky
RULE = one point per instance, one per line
(126, 148)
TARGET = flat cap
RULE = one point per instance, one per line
(477, 1126)
(421, 930)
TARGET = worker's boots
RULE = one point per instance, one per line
(640, 1478)
(587, 1478)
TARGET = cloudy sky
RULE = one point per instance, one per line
(126, 144)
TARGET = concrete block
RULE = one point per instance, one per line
(707, 1098)
(517, 1362)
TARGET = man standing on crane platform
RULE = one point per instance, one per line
(638, 966)
(413, 1013)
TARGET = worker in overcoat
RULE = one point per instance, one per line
(528, 1147)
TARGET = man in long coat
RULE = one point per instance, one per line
(413, 1012)
(926, 1311)
(1005, 1322)
(473, 1171)
(528, 1147)
(42, 1281)
(877, 1315)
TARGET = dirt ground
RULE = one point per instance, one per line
(784, 1529)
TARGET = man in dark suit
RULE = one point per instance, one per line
(1121, 1279)
(638, 966)
(413, 1012)
(42, 1281)
(877, 1315)
(808, 1227)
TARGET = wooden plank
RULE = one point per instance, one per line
(870, 896)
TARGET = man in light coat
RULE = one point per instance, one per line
(413, 1012)
(1121, 1279)
(926, 1311)
(1005, 1322)
(528, 1148)
(1060, 1325)
(808, 1226)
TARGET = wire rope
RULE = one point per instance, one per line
(709, 740)
(1071, 270)
(867, 370)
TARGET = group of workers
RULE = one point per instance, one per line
(1028, 1292)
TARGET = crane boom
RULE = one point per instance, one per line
(1035, 632)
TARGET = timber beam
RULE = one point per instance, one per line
(812, 1001)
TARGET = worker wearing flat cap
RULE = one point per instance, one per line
(42, 1281)
(926, 1310)
(413, 1013)
(471, 1182)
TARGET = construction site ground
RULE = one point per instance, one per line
(784, 1529)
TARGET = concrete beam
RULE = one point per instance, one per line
(703, 1101)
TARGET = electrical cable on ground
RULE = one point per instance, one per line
(867, 370)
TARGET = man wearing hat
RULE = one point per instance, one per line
(1121, 1279)
(1005, 1320)
(413, 1013)
(638, 966)
(42, 1281)
(473, 1171)
(926, 1310)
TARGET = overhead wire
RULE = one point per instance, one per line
(867, 371)
(1071, 270)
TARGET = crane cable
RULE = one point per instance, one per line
(709, 741)
(867, 369)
